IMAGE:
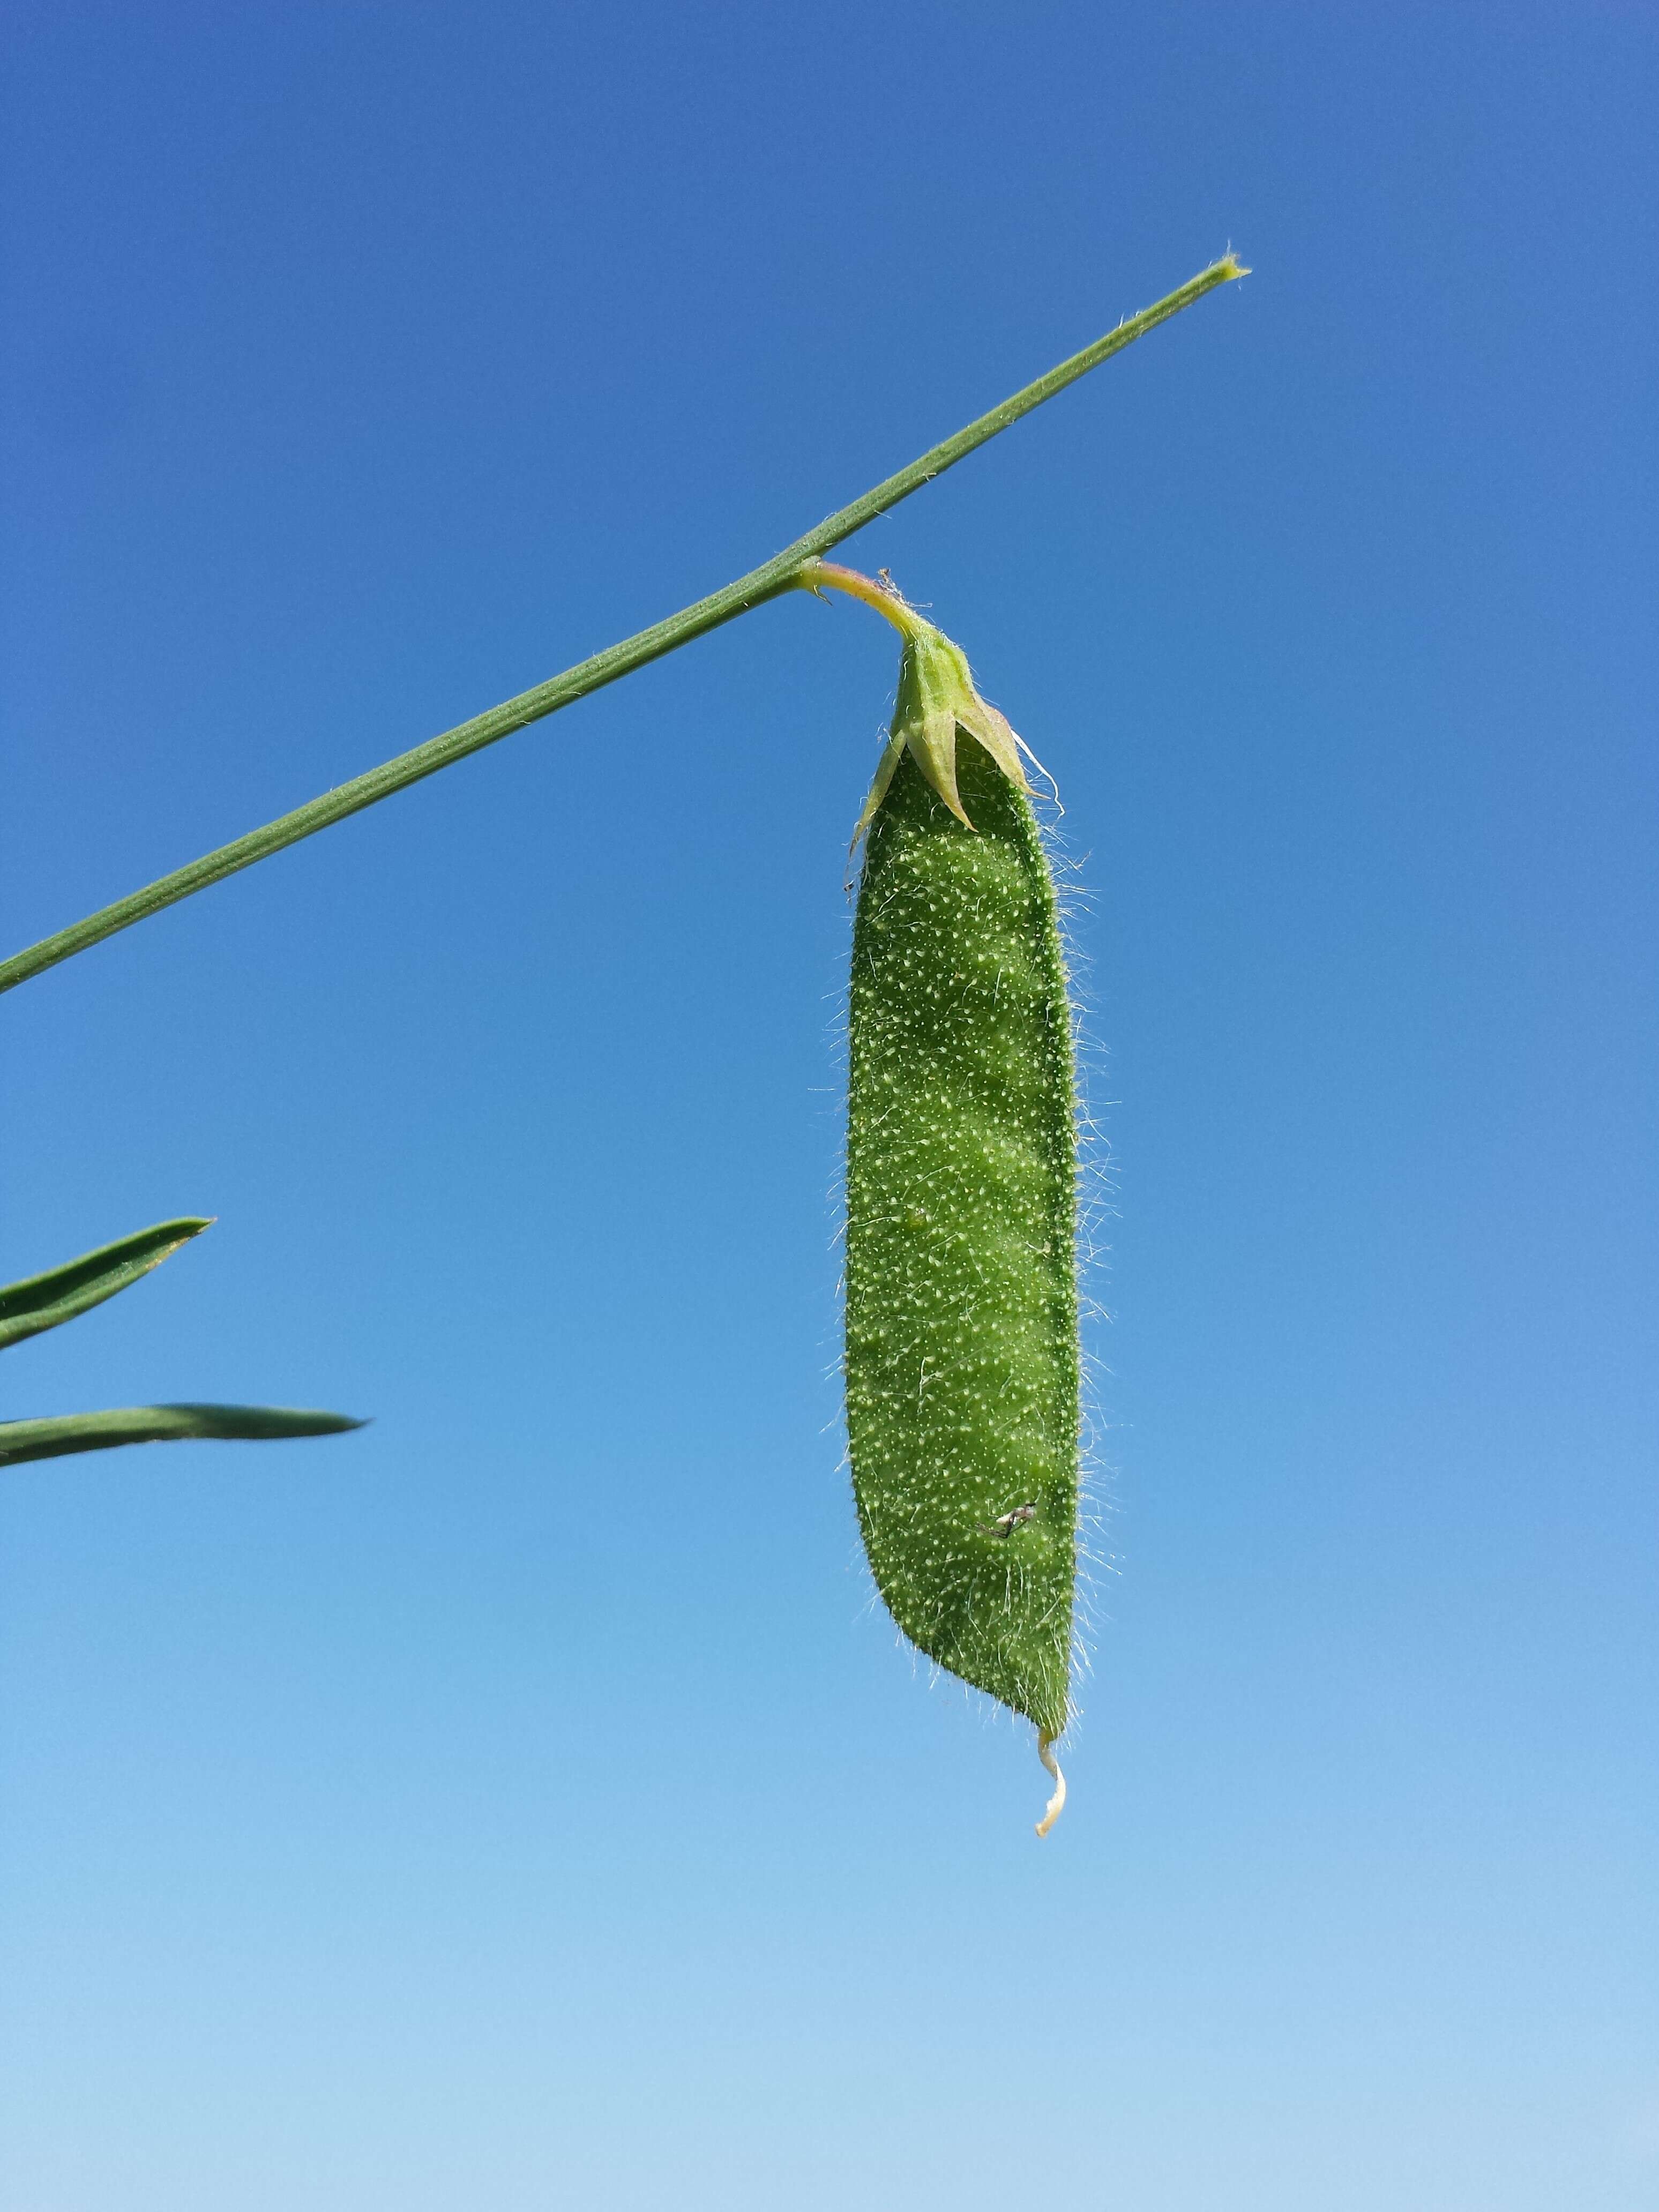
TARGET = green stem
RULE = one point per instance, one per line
(778, 575)
(890, 604)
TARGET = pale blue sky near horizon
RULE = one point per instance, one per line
(523, 1803)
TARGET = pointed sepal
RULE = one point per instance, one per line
(936, 700)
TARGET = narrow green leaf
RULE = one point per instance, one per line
(154, 1425)
(40, 1302)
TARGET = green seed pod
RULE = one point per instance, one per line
(961, 1312)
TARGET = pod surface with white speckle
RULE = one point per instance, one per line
(961, 1363)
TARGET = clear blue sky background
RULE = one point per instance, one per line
(524, 1804)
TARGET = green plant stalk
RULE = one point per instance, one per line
(780, 573)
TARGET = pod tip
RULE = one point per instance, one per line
(1056, 1804)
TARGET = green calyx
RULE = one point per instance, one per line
(936, 698)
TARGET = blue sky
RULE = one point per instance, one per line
(523, 1803)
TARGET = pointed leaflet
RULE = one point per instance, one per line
(42, 1302)
(150, 1424)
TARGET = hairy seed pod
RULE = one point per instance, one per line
(962, 1316)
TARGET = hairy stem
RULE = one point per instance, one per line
(778, 575)
(887, 600)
